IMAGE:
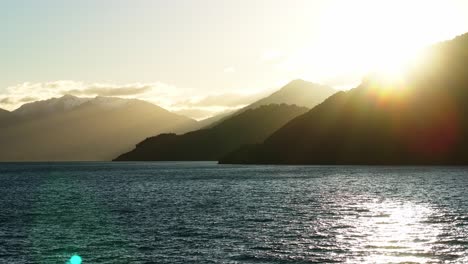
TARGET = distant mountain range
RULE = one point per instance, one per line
(214, 120)
(421, 120)
(297, 92)
(52, 106)
(251, 124)
(71, 128)
(75, 129)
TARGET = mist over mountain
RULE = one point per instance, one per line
(297, 92)
(74, 129)
(214, 120)
(224, 133)
(49, 107)
(251, 126)
(423, 120)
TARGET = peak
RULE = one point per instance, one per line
(296, 82)
(299, 84)
(68, 96)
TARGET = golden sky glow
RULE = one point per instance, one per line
(186, 51)
(357, 37)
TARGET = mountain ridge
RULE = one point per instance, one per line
(50, 106)
(84, 129)
(297, 92)
(424, 122)
(251, 126)
(172, 147)
(4, 112)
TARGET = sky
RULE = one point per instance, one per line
(201, 57)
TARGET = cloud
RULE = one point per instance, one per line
(225, 100)
(158, 93)
(196, 113)
(27, 99)
(204, 107)
(192, 102)
(203, 112)
(6, 101)
(110, 91)
(12, 101)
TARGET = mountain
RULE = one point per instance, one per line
(4, 116)
(251, 126)
(214, 120)
(421, 119)
(213, 141)
(71, 128)
(297, 92)
(49, 107)
(4, 113)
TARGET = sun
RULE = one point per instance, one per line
(364, 36)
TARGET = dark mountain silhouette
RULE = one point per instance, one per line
(72, 128)
(4, 113)
(297, 92)
(214, 120)
(5, 116)
(251, 126)
(421, 120)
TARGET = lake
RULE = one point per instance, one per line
(202, 212)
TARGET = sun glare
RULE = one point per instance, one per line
(393, 232)
(384, 37)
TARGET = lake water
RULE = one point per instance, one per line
(207, 213)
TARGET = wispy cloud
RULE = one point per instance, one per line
(204, 112)
(6, 101)
(158, 93)
(111, 91)
(183, 100)
(225, 99)
(209, 105)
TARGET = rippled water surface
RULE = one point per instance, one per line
(209, 213)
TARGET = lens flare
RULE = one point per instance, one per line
(75, 259)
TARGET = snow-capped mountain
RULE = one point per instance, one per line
(70, 128)
(53, 105)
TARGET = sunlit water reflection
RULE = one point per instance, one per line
(393, 232)
(206, 213)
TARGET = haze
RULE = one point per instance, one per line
(204, 57)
